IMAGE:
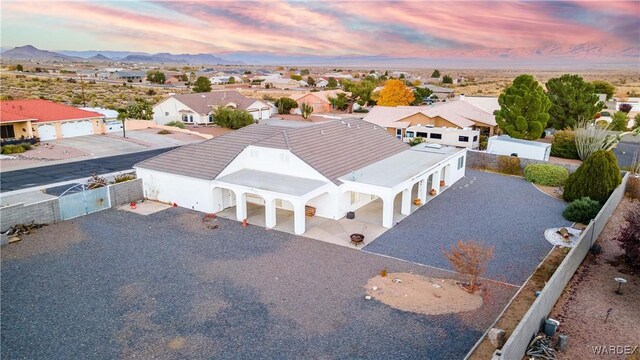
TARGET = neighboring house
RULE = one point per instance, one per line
(487, 103)
(47, 120)
(87, 73)
(280, 83)
(451, 114)
(330, 168)
(198, 108)
(174, 80)
(466, 138)
(224, 79)
(319, 100)
(129, 76)
(110, 118)
(506, 145)
(442, 93)
(321, 83)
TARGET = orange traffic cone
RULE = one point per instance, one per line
(244, 223)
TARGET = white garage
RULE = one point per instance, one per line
(47, 132)
(76, 128)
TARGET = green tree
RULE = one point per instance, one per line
(155, 77)
(636, 121)
(311, 81)
(306, 110)
(201, 85)
(447, 79)
(619, 121)
(596, 178)
(332, 83)
(572, 100)
(305, 72)
(231, 118)
(19, 67)
(296, 77)
(285, 104)
(435, 73)
(232, 80)
(360, 90)
(603, 87)
(419, 95)
(524, 109)
(141, 109)
(340, 101)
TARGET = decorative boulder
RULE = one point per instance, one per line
(497, 337)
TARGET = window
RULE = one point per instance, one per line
(7, 132)
(399, 133)
(410, 134)
(463, 138)
(166, 113)
(190, 118)
(355, 197)
(460, 162)
(185, 118)
(210, 117)
(422, 134)
(475, 138)
(435, 136)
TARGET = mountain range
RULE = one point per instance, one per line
(585, 55)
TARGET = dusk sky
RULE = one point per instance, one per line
(334, 28)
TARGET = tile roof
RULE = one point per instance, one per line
(460, 113)
(333, 148)
(39, 110)
(322, 95)
(202, 103)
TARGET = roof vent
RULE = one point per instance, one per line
(321, 132)
(342, 122)
(348, 125)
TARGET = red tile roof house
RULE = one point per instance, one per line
(46, 120)
(319, 100)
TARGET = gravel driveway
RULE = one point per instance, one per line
(119, 285)
(504, 211)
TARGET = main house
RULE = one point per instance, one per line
(46, 120)
(452, 114)
(334, 168)
(198, 108)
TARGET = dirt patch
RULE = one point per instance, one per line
(209, 130)
(523, 300)
(43, 241)
(593, 288)
(419, 294)
(553, 191)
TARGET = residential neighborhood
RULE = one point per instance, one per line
(194, 181)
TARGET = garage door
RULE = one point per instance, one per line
(46, 132)
(113, 126)
(76, 128)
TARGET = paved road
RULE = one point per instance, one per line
(25, 178)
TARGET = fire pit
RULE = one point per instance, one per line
(357, 239)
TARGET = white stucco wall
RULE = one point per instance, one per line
(169, 110)
(186, 192)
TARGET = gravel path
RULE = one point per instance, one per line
(119, 285)
(504, 211)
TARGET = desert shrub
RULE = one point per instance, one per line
(470, 258)
(285, 104)
(164, 132)
(546, 174)
(13, 149)
(124, 177)
(96, 182)
(629, 237)
(484, 141)
(415, 141)
(596, 178)
(564, 145)
(602, 124)
(509, 165)
(360, 110)
(582, 210)
(178, 124)
(26, 146)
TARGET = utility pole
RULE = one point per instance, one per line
(84, 102)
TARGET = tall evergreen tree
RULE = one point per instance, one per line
(572, 100)
(596, 178)
(524, 109)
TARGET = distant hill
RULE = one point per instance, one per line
(148, 59)
(99, 58)
(29, 52)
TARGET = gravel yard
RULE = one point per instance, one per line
(120, 285)
(504, 211)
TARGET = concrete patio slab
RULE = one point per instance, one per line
(145, 208)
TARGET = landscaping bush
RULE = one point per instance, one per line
(582, 210)
(484, 141)
(178, 124)
(596, 178)
(124, 177)
(360, 110)
(629, 237)
(509, 165)
(231, 118)
(14, 149)
(285, 104)
(164, 132)
(546, 174)
(564, 145)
